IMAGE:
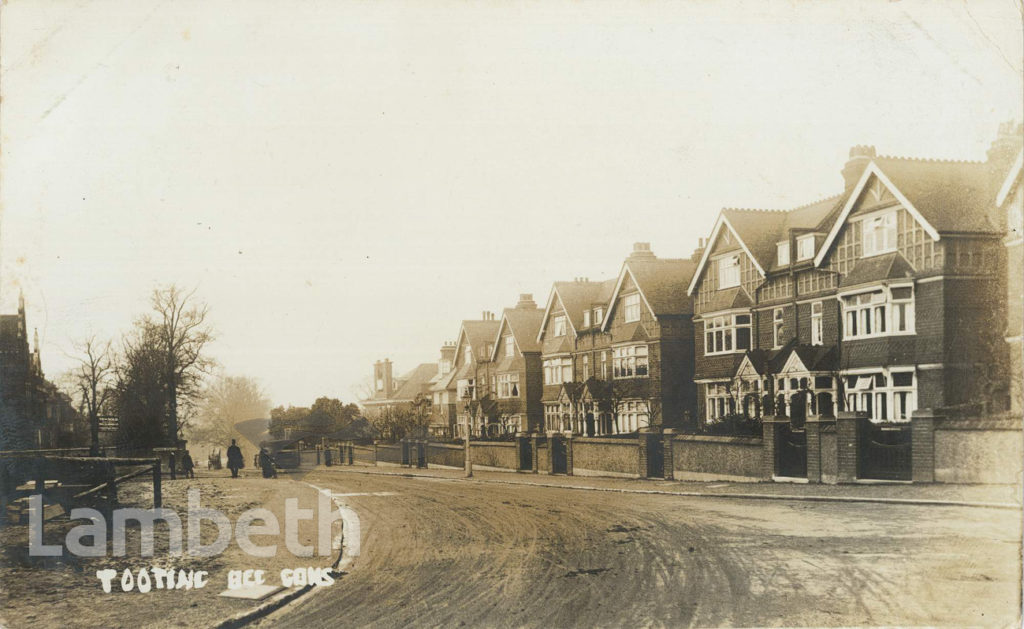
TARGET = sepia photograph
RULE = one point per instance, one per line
(511, 314)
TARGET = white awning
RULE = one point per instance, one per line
(864, 383)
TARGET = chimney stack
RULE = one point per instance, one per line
(383, 381)
(699, 251)
(860, 156)
(642, 251)
(1006, 146)
(526, 302)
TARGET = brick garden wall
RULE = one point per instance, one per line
(595, 455)
(494, 454)
(978, 451)
(446, 454)
(707, 457)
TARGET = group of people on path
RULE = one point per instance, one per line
(236, 461)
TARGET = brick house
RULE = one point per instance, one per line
(574, 352)
(391, 393)
(475, 406)
(443, 394)
(618, 354)
(516, 377)
(882, 299)
(24, 393)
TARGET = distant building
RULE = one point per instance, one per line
(23, 390)
(517, 379)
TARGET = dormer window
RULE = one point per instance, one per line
(467, 355)
(559, 325)
(783, 249)
(598, 315)
(729, 271)
(510, 346)
(805, 248)
(879, 234)
(586, 318)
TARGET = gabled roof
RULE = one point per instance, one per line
(476, 332)
(888, 266)
(818, 357)
(525, 324)
(414, 382)
(758, 231)
(943, 196)
(575, 297)
(662, 285)
(1011, 179)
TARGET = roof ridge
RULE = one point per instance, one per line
(821, 200)
(752, 209)
(932, 160)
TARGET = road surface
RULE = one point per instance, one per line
(455, 553)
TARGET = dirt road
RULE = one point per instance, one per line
(451, 553)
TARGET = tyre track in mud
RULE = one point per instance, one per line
(451, 553)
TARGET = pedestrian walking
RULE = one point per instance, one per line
(188, 465)
(267, 464)
(172, 464)
(235, 459)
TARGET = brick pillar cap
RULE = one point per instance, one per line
(927, 413)
(552, 433)
(851, 415)
(568, 434)
(670, 431)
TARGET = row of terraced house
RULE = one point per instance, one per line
(902, 292)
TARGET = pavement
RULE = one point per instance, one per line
(518, 550)
(993, 496)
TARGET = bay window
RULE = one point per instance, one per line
(557, 370)
(718, 401)
(887, 395)
(629, 361)
(726, 334)
(879, 312)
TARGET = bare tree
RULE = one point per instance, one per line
(182, 333)
(226, 402)
(91, 381)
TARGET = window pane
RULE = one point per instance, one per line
(902, 293)
(742, 338)
(905, 379)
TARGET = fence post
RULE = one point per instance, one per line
(421, 453)
(846, 445)
(552, 439)
(375, 453)
(922, 445)
(641, 439)
(668, 463)
(468, 458)
(351, 453)
(768, 446)
(158, 495)
(534, 452)
(812, 429)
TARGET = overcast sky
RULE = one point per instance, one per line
(346, 181)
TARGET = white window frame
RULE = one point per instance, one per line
(721, 333)
(510, 346)
(728, 271)
(875, 392)
(877, 311)
(817, 322)
(557, 370)
(879, 233)
(631, 308)
(558, 326)
(598, 316)
(778, 327)
(508, 385)
(805, 247)
(782, 249)
(586, 367)
(586, 318)
(718, 401)
(629, 360)
(466, 385)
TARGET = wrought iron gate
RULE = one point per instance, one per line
(790, 451)
(525, 454)
(884, 451)
(558, 454)
(655, 456)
